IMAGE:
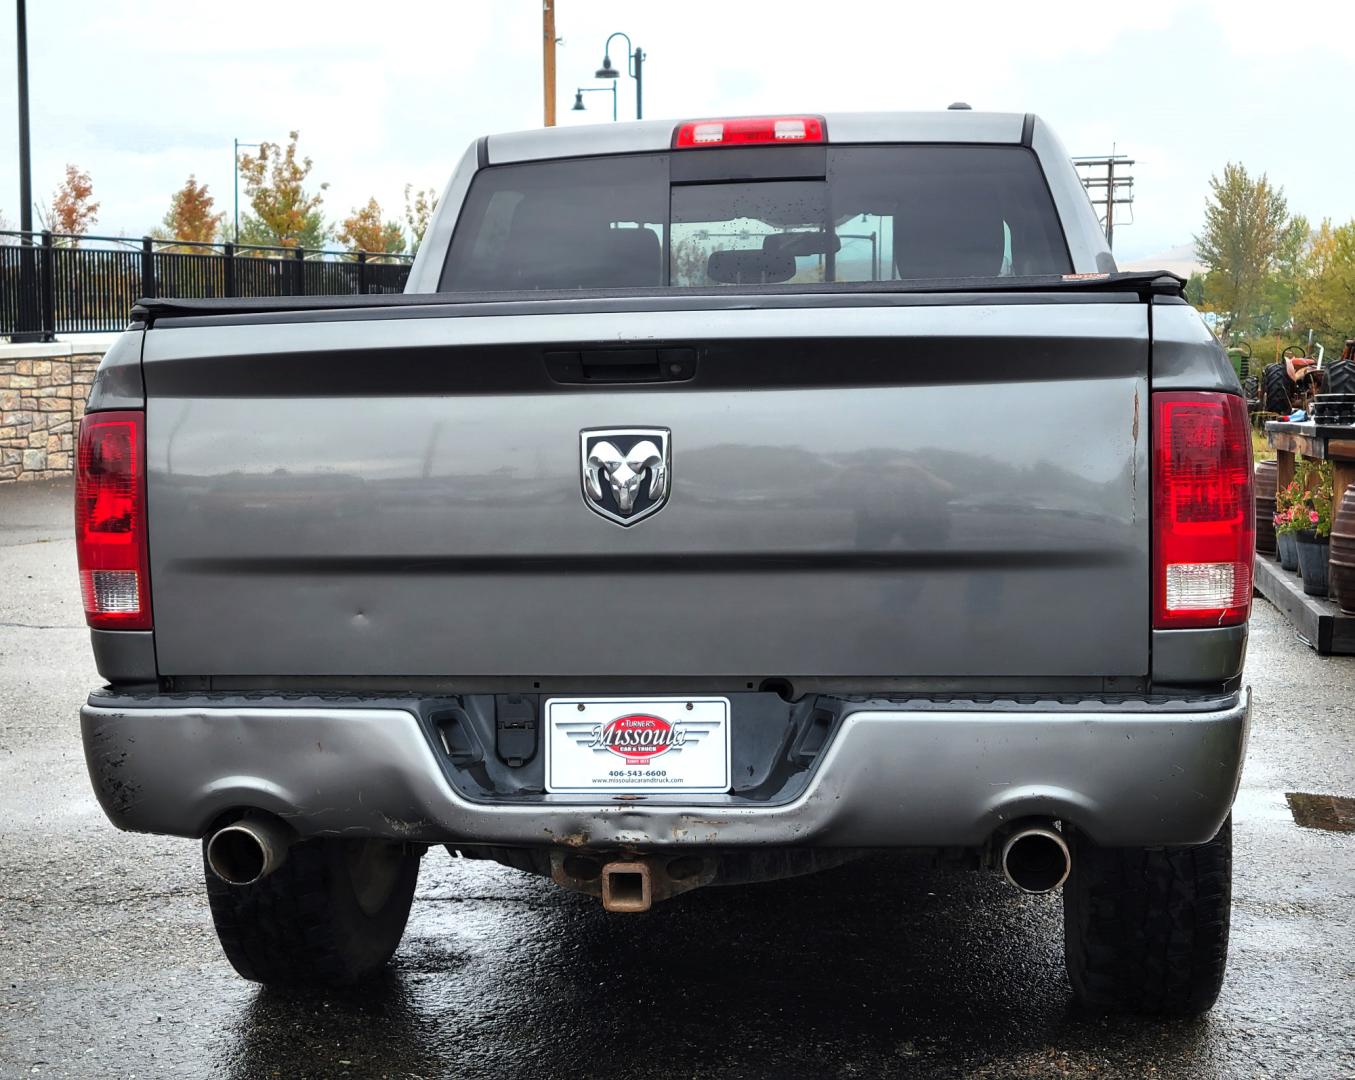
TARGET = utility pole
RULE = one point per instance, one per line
(1106, 187)
(547, 58)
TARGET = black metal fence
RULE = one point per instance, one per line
(51, 286)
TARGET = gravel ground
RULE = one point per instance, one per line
(109, 966)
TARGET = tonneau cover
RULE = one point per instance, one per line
(1146, 283)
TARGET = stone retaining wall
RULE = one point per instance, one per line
(42, 398)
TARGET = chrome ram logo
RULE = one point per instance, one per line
(625, 472)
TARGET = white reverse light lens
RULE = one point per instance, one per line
(1196, 586)
(708, 133)
(111, 592)
(789, 129)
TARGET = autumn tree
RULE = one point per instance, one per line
(419, 207)
(1245, 225)
(190, 215)
(364, 230)
(1326, 294)
(73, 207)
(285, 213)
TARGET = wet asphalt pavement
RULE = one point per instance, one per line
(109, 966)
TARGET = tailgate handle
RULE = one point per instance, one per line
(622, 365)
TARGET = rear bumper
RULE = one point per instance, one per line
(890, 778)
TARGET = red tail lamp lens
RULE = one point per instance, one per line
(110, 521)
(1203, 520)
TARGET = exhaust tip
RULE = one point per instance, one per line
(627, 887)
(247, 851)
(1036, 860)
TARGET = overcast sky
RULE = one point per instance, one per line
(140, 94)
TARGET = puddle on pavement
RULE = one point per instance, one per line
(1335, 813)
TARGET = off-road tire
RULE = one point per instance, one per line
(1275, 390)
(1340, 377)
(310, 921)
(1146, 929)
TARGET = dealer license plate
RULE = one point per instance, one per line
(678, 744)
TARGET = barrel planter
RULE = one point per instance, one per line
(1289, 551)
(1313, 550)
(1342, 563)
(1265, 508)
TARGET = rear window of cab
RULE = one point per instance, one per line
(803, 215)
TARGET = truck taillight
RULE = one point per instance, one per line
(751, 131)
(110, 521)
(1204, 525)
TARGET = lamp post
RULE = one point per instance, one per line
(27, 324)
(580, 91)
(238, 144)
(635, 61)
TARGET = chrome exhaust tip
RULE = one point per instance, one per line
(1036, 859)
(248, 850)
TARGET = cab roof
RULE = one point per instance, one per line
(636, 136)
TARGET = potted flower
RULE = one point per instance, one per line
(1313, 537)
(1287, 523)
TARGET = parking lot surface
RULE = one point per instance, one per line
(109, 966)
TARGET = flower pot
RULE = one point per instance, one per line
(1342, 563)
(1265, 507)
(1313, 551)
(1289, 552)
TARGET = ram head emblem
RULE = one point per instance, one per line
(626, 472)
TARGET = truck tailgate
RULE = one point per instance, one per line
(944, 487)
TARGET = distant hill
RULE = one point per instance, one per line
(1179, 260)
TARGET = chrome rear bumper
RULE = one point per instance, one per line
(890, 778)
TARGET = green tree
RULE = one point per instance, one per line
(1281, 287)
(419, 207)
(1245, 228)
(314, 233)
(285, 213)
(1326, 294)
(1195, 290)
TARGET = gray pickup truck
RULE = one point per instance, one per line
(723, 500)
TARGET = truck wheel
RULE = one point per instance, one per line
(1275, 390)
(332, 913)
(1146, 929)
(1341, 377)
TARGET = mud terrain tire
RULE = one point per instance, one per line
(333, 913)
(1146, 929)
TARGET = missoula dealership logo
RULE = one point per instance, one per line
(640, 737)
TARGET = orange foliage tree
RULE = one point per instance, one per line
(364, 230)
(190, 214)
(73, 207)
(285, 213)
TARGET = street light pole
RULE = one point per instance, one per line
(25, 148)
(27, 324)
(635, 68)
(238, 144)
(579, 91)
